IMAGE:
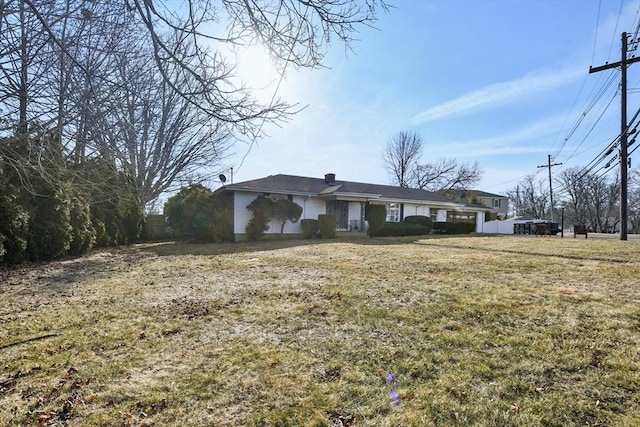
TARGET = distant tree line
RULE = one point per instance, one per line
(586, 199)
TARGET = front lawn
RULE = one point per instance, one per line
(504, 331)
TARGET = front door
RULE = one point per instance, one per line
(340, 209)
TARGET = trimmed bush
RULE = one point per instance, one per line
(376, 215)
(327, 226)
(198, 213)
(310, 228)
(453, 228)
(49, 224)
(286, 210)
(14, 229)
(425, 221)
(83, 234)
(403, 229)
(262, 208)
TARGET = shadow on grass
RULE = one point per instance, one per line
(63, 276)
(175, 248)
(589, 257)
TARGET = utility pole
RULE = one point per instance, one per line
(623, 129)
(548, 165)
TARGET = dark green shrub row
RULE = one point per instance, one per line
(327, 226)
(51, 208)
(310, 228)
(421, 220)
(403, 229)
(56, 220)
(453, 228)
(376, 215)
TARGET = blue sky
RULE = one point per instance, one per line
(501, 83)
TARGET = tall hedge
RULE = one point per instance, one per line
(83, 234)
(310, 228)
(327, 226)
(453, 228)
(14, 228)
(403, 229)
(116, 209)
(422, 220)
(376, 215)
(50, 208)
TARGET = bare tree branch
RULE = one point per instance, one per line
(400, 156)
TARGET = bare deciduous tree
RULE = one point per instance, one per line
(400, 156)
(591, 200)
(61, 66)
(155, 134)
(446, 174)
(294, 31)
(530, 198)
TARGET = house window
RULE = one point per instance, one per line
(457, 216)
(496, 203)
(393, 212)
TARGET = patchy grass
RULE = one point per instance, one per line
(504, 331)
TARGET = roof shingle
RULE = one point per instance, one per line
(291, 184)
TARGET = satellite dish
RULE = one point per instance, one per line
(223, 178)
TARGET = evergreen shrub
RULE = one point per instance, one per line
(310, 228)
(453, 228)
(262, 208)
(421, 220)
(83, 234)
(376, 215)
(14, 228)
(403, 229)
(198, 213)
(327, 226)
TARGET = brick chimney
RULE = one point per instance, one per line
(330, 178)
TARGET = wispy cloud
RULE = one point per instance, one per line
(524, 140)
(502, 93)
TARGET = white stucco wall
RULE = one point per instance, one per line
(241, 215)
(411, 209)
(311, 207)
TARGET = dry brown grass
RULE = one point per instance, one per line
(478, 331)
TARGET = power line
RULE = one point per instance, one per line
(549, 165)
(623, 63)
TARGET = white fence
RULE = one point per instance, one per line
(498, 227)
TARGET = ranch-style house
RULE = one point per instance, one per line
(347, 201)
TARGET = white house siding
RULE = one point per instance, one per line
(242, 215)
(311, 208)
(411, 209)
